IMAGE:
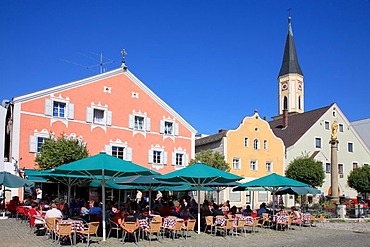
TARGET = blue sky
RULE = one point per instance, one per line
(214, 62)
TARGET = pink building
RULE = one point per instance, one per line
(113, 112)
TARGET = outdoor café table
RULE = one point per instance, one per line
(77, 225)
(306, 217)
(169, 222)
(278, 219)
(220, 221)
(143, 226)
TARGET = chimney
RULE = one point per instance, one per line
(285, 118)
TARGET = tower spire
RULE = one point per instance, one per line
(290, 60)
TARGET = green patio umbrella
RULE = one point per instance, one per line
(271, 183)
(12, 181)
(297, 191)
(52, 175)
(34, 176)
(103, 168)
(199, 175)
(145, 182)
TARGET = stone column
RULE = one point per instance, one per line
(334, 171)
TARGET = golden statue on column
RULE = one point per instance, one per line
(334, 129)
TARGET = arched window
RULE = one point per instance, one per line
(285, 103)
(299, 103)
(256, 144)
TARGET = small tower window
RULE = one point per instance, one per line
(299, 103)
(285, 103)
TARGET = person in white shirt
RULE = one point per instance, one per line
(53, 212)
(39, 195)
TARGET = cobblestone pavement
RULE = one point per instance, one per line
(14, 233)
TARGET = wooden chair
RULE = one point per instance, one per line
(154, 227)
(319, 219)
(311, 221)
(115, 227)
(92, 229)
(174, 230)
(189, 227)
(226, 228)
(287, 224)
(266, 222)
(131, 229)
(64, 230)
(240, 226)
(209, 223)
(254, 224)
(51, 226)
(20, 212)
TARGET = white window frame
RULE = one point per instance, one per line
(253, 165)
(176, 154)
(269, 164)
(236, 163)
(318, 139)
(327, 125)
(246, 142)
(127, 151)
(163, 156)
(68, 108)
(164, 130)
(256, 144)
(341, 128)
(354, 163)
(107, 115)
(350, 147)
(265, 144)
(133, 122)
(342, 168)
(33, 141)
(327, 165)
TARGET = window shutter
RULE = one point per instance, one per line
(89, 114)
(173, 162)
(186, 161)
(164, 158)
(129, 154)
(161, 127)
(48, 107)
(131, 121)
(109, 118)
(108, 149)
(150, 156)
(147, 124)
(33, 144)
(71, 111)
(176, 129)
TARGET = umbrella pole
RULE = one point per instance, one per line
(150, 200)
(198, 209)
(103, 199)
(69, 195)
(119, 199)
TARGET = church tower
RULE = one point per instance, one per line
(291, 90)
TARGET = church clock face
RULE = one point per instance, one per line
(284, 86)
(300, 85)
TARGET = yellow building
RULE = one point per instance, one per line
(252, 150)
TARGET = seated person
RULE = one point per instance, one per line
(67, 212)
(296, 215)
(35, 215)
(282, 211)
(130, 218)
(216, 210)
(185, 213)
(247, 211)
(96, 210)
(262, 210)
(54, 212)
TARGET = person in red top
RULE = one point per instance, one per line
(35, 215)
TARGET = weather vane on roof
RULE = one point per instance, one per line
(289, 14)
(124, 53)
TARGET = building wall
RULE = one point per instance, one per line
(253, 128)
(306, 144)
(117, 93)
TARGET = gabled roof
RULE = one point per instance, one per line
(362, 127)
(298, 125)
(99, 77)
(290, 60)
(211, 138)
